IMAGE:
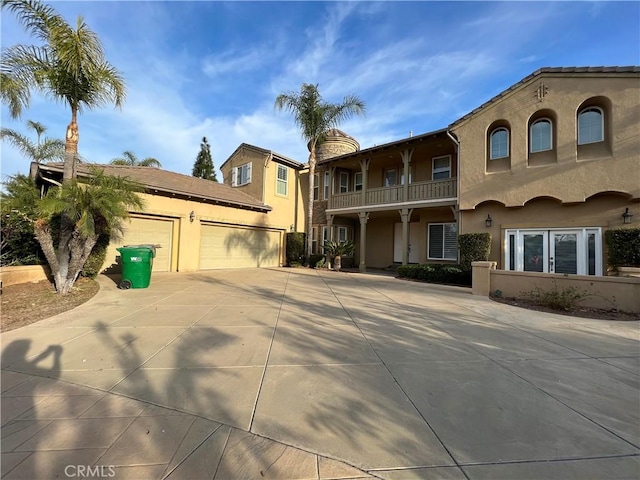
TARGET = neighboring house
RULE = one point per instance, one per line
(546, 167)
(199, 224)
(550, 164)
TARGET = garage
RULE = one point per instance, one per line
(226, 246)
(153, 231)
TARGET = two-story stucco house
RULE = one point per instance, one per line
(545, 166)
(550, 164)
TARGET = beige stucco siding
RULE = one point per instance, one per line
(185, 248)
(602, 211)
(574, 174)
(257, 160)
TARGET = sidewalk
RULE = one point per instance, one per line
(53, 429)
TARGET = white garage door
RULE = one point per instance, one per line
(222, 246)
(147, 231)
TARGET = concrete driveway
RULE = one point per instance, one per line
(296, 373)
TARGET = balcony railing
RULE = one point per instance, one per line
(419, 191)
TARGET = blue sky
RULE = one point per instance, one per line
(214, 69)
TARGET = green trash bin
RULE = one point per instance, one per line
(137, 261)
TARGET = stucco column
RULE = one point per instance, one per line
(481, 277)
(406, 161)
(364, 217)
(364, 167)
(405, 215)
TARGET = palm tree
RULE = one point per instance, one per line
(315, 117)
(43, 150)
(69, 66)
(129, 158)
(96, 208)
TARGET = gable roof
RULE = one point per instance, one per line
(274, 155)
(157, 181)
(548, 71)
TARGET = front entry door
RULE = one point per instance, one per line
(414, 243)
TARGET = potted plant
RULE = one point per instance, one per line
(337, 250)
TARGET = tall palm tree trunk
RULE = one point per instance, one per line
(312, 172)
(71, 147)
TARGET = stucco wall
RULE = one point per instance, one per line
(186, 239)
(575, 174)
(23, 274)
(257, 160)
(604, 211)
(622, 293)
(379, 252)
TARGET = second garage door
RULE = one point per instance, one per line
(223, 246)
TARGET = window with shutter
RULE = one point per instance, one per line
(443, 241)
(241, 175)
(282, 180)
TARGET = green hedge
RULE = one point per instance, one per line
(474, 247)
(624, 247)
(436, 273)
(295, 250)
(19, 244)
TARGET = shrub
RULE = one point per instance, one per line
(447, 274)
(296, 242)
(624, 247)
(95, 261)
(474, 247)
(565, 299)
(18, 242)
(314, 259)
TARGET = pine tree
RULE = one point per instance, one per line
(203, 167)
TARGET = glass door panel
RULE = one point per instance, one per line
(564, 252)
(533, 246)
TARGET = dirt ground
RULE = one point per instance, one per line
(27, 303)
(583, 312)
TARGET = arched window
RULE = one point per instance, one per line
(499, 147)
(590, 126)
(540, 136)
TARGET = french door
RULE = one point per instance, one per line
(565, 251)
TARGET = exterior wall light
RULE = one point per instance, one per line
(626, 216)
(488, 221)
(292, 228)
(192, 216)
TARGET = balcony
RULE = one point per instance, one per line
(417, 192)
